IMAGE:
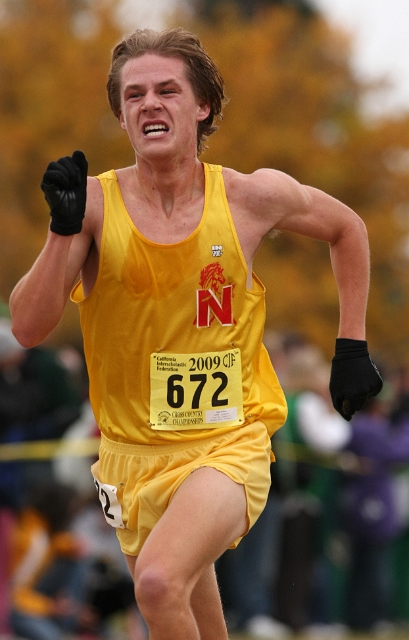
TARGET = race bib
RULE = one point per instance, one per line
(109, 502)
(196, 390)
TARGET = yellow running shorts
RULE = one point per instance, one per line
(136, 482)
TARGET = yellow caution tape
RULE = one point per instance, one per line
(46, 449)
(290, 451)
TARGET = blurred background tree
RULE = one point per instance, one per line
(54, 57)
(295, 105)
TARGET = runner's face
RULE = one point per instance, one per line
(159, 109)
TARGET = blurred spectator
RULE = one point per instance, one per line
(312, 431)
(49, 570)
(370, 511)
(37, 402)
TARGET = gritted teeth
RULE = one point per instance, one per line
(154, 129)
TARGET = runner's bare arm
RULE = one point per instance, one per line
(38, 300)
(327, 219)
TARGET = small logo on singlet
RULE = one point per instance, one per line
(217, 250)
(215, 298)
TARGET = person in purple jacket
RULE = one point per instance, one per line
(369, 511)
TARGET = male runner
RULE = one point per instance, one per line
(172, 317)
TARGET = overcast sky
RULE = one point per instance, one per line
(381, 43)
(380, 39)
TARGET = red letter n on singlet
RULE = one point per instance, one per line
(208, 302)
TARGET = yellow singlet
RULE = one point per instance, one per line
(172, 335)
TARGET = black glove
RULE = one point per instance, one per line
(65, 188)
(354, 377)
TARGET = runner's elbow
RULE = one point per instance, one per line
(27, 334)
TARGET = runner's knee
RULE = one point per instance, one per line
(156, 590)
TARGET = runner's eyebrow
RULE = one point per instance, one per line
(163, 83)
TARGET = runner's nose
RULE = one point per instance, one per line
(151, 102)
